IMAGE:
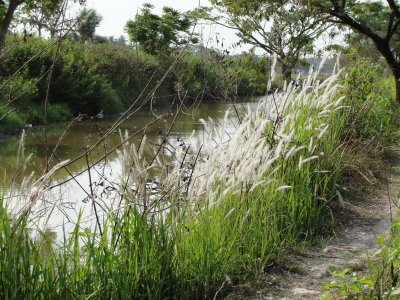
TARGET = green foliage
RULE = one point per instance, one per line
(75, 80)
(43, 16)
(156, 34)
(375, 15)
(19, 90)
(376, 21)
(211, 74)
(250, 72)
(89, 20)
(89, 78)
(203, 76)
(58, 112)
(127, 71)
(291, 36)
(178, 253)
(380, 278)
(371, 96)
(11, 122)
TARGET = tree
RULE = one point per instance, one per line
(89, 20)
(377, 20)
(285, 29)
(49, 16)
(46, 14)
(155, 34)
(7, 11)
(121, 40)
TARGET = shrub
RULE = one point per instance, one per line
(11, 123)
(371, 96)
(75, 80)
(59, 112)
(128, 71)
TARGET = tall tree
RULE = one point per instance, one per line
(7, 11)
(154, 33)
(49, 16)
(378, 21)
(89, 20)
(44, 14)
(285, 29)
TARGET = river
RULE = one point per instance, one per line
(63, 202)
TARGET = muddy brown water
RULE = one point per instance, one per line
(64, 202)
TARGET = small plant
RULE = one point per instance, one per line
(379, 279)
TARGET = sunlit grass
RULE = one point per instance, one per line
(250, 197)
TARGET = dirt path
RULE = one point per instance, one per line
(361, 222)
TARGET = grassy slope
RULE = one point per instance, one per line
(270, 188)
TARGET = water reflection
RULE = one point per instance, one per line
(64, 202)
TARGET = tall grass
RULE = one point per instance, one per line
(219, 217)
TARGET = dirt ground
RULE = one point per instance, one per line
(359, 223)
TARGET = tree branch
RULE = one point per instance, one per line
(392, 28)
(394, 8)
(347, 20)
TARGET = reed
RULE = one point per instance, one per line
(220, 216)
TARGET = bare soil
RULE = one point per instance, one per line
(359, 224)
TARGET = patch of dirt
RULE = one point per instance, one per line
(360, 223)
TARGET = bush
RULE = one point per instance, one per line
(91, 78)
(127, 71)
(250, 74)
(214, 75)
(75, 81)
(59, 112)
(18, 90)
(371, 96)
(11, 123)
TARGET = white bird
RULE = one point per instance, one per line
(100, 115)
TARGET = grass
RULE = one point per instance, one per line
(269, 187)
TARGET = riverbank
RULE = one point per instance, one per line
(226, 214)
(317, 271)
(108, 78)
(211, 220)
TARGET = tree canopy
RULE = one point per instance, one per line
(155, 33)
(88, 21)
(43, 15)
(378, 21)
(48, 16)
(286, 29)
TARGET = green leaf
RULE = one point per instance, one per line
(355, 288)
(395, 292)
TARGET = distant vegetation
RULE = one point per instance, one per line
(89, 78)
(93, 74)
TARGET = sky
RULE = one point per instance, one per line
(116, 13)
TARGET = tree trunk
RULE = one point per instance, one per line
(5, 24)
(395, 68)
(287, 72)
(397, 82)
(394, 65)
